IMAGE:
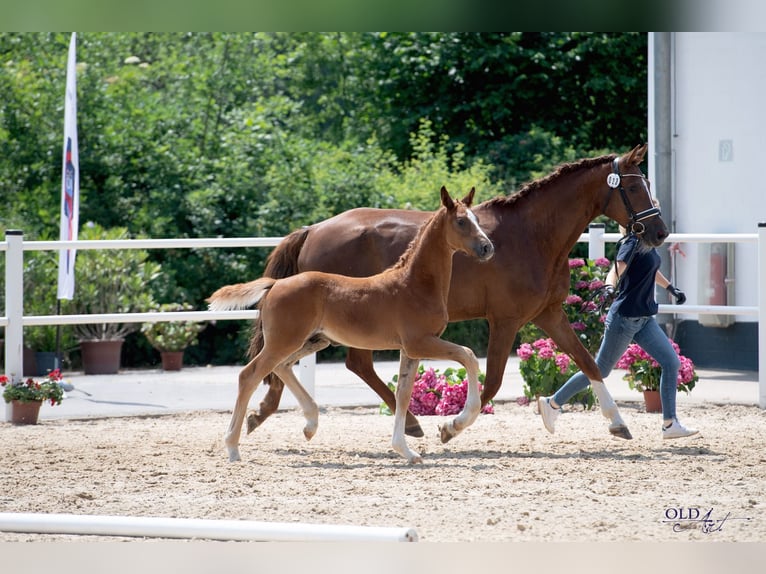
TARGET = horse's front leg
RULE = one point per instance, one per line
(436, 348)
(501, 336)
(472, 407)
(359, 362)
(554, 322)
(407, 371)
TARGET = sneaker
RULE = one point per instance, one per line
(548, 413)
(677, 430)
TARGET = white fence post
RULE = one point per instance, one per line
(596, 243)
(14, 309)
(762, 315)
(307, 373)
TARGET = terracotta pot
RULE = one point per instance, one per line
(653, 401)
(101, 357)
(25, 413)
(172, 360)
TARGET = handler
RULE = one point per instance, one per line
(631, 318)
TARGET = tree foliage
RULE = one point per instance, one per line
(255, 134)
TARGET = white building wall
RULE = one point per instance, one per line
(719, 149)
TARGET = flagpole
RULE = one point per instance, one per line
(70, 190)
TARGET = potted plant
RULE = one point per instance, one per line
(109, 281)
(40, 299)
(27, 396)
(435, 393)
(170, 338)
(643, 374)
(42, 340)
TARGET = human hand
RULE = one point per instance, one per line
(677, 293)
(607, 296)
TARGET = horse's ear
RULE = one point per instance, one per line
(468, 199)
(446, 199)
(636, 156)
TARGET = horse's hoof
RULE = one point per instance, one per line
(415, 459)
(309, 432)
(253, 422)
(620, 431)
(234, 455)
(446, 433)
(414, 430)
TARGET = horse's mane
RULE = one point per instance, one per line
(561, 171)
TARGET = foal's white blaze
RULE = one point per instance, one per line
(475, 221)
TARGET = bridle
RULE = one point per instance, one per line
(614, 181)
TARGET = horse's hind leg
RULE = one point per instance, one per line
(407, 371)
(249, 379)
(307, 403)
(270, 402)
(359, 362)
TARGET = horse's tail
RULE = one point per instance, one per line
(241, 295)
(282, 262)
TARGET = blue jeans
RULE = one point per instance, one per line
(619, 333)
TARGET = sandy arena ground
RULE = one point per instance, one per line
(504, 479)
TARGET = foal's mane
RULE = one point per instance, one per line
(407, 255)
(563, 170)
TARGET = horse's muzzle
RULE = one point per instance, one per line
(485, 250)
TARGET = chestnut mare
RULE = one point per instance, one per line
(533, 232)
(404, 307)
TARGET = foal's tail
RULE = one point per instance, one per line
(282, 262)
(241, 295)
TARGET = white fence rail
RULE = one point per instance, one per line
(14, 319)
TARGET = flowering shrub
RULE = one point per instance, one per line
(49, 389)
(435, 393)
(586, 280)
(644, 372)
(545, 369)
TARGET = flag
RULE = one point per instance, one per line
(70, 179)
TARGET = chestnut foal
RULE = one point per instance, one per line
(404, 307)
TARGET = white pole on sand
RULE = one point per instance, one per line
(198, 528)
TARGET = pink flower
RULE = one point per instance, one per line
(595, 285)
(562, 362)
(579, 326)
(575, 263)
(573, 300)
(546, 352)
(525, 351)
(588, 307)
(602, 262)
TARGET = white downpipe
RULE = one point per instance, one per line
(198, 528)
